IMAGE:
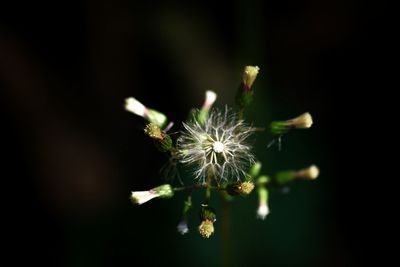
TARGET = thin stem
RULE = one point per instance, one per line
(226, 242)
(208, 186)
(189, 187)
(197, 186)
(259, 129)
(241, 114)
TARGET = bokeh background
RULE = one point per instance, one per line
(72, 154)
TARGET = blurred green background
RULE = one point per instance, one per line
(73, 154)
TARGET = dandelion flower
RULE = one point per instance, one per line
(218, 147)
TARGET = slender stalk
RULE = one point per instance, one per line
(225, 231)
(208, 188)
(241, 114)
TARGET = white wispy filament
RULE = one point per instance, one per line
(218, 148)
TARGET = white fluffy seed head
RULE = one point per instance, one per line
(219, 147)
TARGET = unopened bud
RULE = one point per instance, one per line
(183, 224)
(154, 116)
(162, 191)
(303, 121)
(243, 188)
(161, 139)
(207, 216)
(309, 173)
(285, 177)
(263, 180)
(249, 76)
(263, 208)
(255, 170)
(202, 114)
(244, 95)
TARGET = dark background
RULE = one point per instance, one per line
(72, 154)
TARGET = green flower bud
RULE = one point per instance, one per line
(255, 170)
(243, 188)
(244, 95)
(162, 191)
(304, 121)
(263, 180)
(154, 116)
(263, 209)
(162, 141)
(285, 177)
(310, 173)
(207, 213)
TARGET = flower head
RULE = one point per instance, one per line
(304, 121)
(210, 99)
(162, 191)
(183, 227)
(206, 228)
(217, 148)
(249, 76)
(154, 116)
(309, 173)
(263, 209)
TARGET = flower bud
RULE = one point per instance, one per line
(202, 114)
(183, 224)
(263, 209)
(243, 188)
(161, 140)
(244, 95)
(249, 76)
(309, 173)
(263, 180)
(255, 170)
(206, 228)
(207, 216)
(285, 177)
(303, 121)
(154, 116)
(162, 191)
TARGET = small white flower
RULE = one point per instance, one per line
(162, 191)
(304, 121)
(263, 211)
(218, 147)
(249, 76)
(210, 99)
(154, 116)
(310, 173)
(134, 106)
(182, 227)
(140, 197)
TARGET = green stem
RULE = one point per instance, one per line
(208, 190)
(225, 231)
(241, 114)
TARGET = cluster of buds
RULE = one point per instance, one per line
(213, 144)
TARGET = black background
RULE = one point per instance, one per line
(66, 66)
